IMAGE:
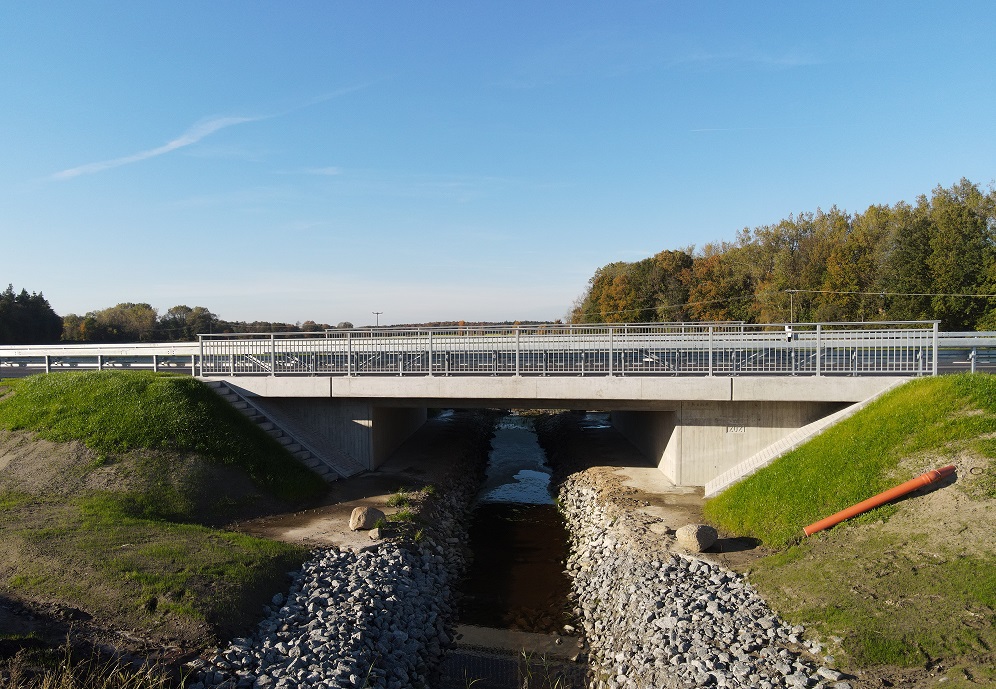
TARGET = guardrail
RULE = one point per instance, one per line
(817, 349)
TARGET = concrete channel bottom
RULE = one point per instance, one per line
(486, 658)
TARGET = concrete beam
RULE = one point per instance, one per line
(810, 388)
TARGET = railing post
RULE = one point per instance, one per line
(612, 353)
(273, 354)
(971, 358)
(819, 348)
(710, 349)
(431, 360)
(48, 364)
(934, 372)
(155, 363)
(193, 365)
(349, 353)
(100, 362)
(517, 351)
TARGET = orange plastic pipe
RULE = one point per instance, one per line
(920, 481)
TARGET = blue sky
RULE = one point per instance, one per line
(476, 160)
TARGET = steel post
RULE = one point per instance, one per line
(710, 349)
(517, 353)
(612, 353)
(934, 368)
(819, 348)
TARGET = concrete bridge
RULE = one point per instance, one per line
(706, 402)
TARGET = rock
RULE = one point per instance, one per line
(375, 534)
(364, 518)
(695, 537)
(827, 673)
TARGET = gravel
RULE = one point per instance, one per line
(654, 618)
(380, 617)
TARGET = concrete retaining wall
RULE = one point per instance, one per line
(700, 440)
(365, 433)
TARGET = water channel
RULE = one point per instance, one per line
(515, 597)
(519, 542)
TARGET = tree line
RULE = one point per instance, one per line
(931, 260)
(128, 322)
(27, 318)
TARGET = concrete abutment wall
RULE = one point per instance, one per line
(698, 440)
(364, 431)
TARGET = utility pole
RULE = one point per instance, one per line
(377, 315)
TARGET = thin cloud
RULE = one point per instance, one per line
(189, 137)
(197, 132)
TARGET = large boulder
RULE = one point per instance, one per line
(695, 538)
(364, 518)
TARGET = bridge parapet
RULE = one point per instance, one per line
(881, 348)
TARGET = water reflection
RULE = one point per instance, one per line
(517, 470)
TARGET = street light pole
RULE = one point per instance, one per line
(377, 314)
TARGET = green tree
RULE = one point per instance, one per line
(27, 318)
(960, 253)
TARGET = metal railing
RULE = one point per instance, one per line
(881, 348)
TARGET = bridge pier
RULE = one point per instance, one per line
(696, 441)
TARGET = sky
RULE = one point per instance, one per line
(292, 161)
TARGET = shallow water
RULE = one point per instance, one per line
(519, 542)
(517, 470)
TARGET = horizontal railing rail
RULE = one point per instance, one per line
(677, 349)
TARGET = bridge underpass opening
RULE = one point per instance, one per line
(691, 439)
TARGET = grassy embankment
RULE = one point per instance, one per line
(909, 584)
(116, 523)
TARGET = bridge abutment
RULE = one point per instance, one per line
(363, 431)
(699, 440)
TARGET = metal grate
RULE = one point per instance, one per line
(464, 668)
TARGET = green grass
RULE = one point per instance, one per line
(400, 499)
(896, 597)
(904, 611)
(113, 412)
(860, 457)
(135, 553)
(92, 554)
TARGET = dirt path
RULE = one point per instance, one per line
(427, 458)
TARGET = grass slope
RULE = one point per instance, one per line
(119, 530)
(908, 585)
(860, 457)
(113, 412)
